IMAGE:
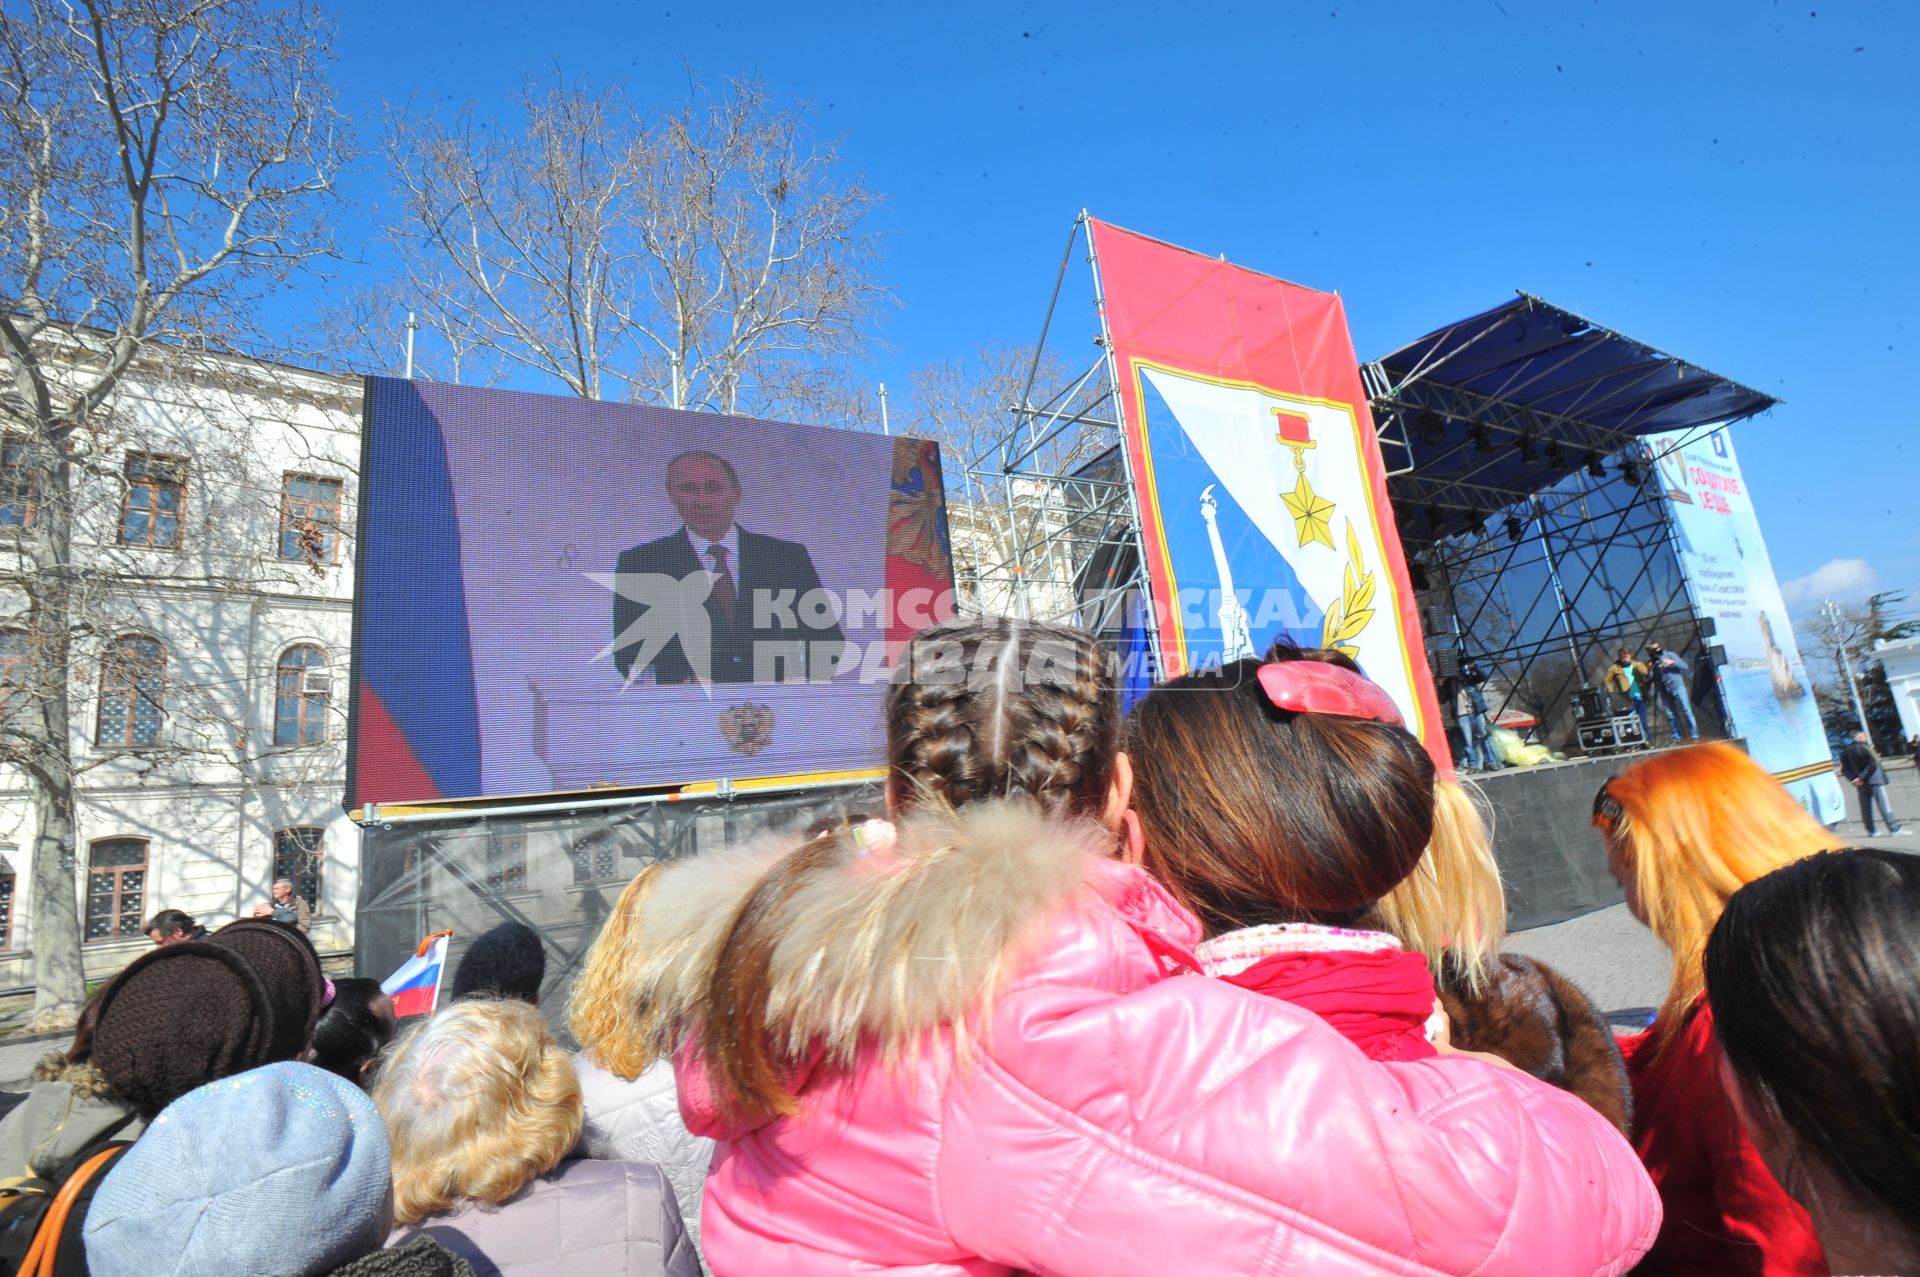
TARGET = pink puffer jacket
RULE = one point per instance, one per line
(1110, 1116)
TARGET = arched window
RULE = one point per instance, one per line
(133, 680)
(16, 668)
(116, 888)
(297, 857)
(302, 689)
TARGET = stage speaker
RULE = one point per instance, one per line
(1445, 662)
(1590, 702)
(1719, 654)
(1434, 620)
(1708, 627)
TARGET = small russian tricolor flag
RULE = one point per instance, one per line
(415, 987)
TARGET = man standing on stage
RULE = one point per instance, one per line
(1862, 766)
(1670, 679)
(1628, 677)
(1470, 708)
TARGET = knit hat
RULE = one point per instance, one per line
(506, 962)
(421, 1257)
(282, 1171)
(179, 1017)
(287, 964)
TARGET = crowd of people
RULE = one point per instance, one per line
(1216, 986)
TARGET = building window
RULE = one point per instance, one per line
(116, 888)
(297, 856)
(156, 498)
(133, 677)
(19, 486)
(6, 903)
(16, 668)
(302, 691)
(507, 862)
(310, 518)
(596, 857)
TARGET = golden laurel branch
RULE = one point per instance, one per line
(1346, 619)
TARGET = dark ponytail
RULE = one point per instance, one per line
(1813, 974)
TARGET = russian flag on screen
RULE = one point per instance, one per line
(415, 987)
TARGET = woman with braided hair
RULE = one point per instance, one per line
(970, 1041)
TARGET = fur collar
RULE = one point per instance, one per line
(87, 1082)
(890, 937)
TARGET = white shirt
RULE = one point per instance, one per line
(730, 542)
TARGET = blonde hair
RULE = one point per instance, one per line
(605, 1010)
(480, 1101)
(1690, 827)
(1452, 907)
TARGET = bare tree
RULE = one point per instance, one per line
(1856, 630)
(1008, 427)
(163, 166)
(710, 258)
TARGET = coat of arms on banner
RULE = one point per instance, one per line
(747, 729)
(1273, 491)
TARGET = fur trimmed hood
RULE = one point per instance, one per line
(88, 1082)
(894, 931)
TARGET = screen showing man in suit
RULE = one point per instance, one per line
(768, 617)
(556, 594)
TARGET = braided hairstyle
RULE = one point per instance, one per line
(979, 710)
(994, 707)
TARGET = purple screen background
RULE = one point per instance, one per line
(549, 490)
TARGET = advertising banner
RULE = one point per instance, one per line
(1263, 500)
(558, 594)
(1764, 683)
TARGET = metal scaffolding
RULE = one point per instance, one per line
(1047, 527)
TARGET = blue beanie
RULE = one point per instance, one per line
(282, 1171)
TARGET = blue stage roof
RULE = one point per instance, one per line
(1482, 403)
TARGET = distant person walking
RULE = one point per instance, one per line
(1862, 766)
(1670, 672)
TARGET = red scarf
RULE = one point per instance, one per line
(1379, 1001)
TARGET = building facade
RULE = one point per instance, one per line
(209, 673)
(1901, 660)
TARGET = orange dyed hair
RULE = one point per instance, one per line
(1688, 828)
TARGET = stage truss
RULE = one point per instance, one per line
(1522, 474)
(1046, 526)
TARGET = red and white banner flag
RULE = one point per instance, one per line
(1262, 496)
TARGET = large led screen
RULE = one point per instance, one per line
(556, 594)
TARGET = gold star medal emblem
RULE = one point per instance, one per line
(1312, 513)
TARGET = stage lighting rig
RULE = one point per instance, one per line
(1482, 437)
(1432, 427)
(1556, 455)
(1594, 465)
(1630, 470)
(1529, 448)
(1515, 529)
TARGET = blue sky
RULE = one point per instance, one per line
(1731, 182)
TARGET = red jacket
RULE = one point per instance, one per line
(1725, 1214)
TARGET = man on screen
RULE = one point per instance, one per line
(770, 619)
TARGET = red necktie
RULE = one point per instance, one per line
(723, 593)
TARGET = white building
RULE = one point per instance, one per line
(209, 689)
(1902, 661)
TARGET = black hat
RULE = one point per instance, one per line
(289, 968)
(179, 1017)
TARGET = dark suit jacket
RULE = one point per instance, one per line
(770, 580)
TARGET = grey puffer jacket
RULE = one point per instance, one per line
(608, 1219)
(69, 1107)
(639, 1121)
